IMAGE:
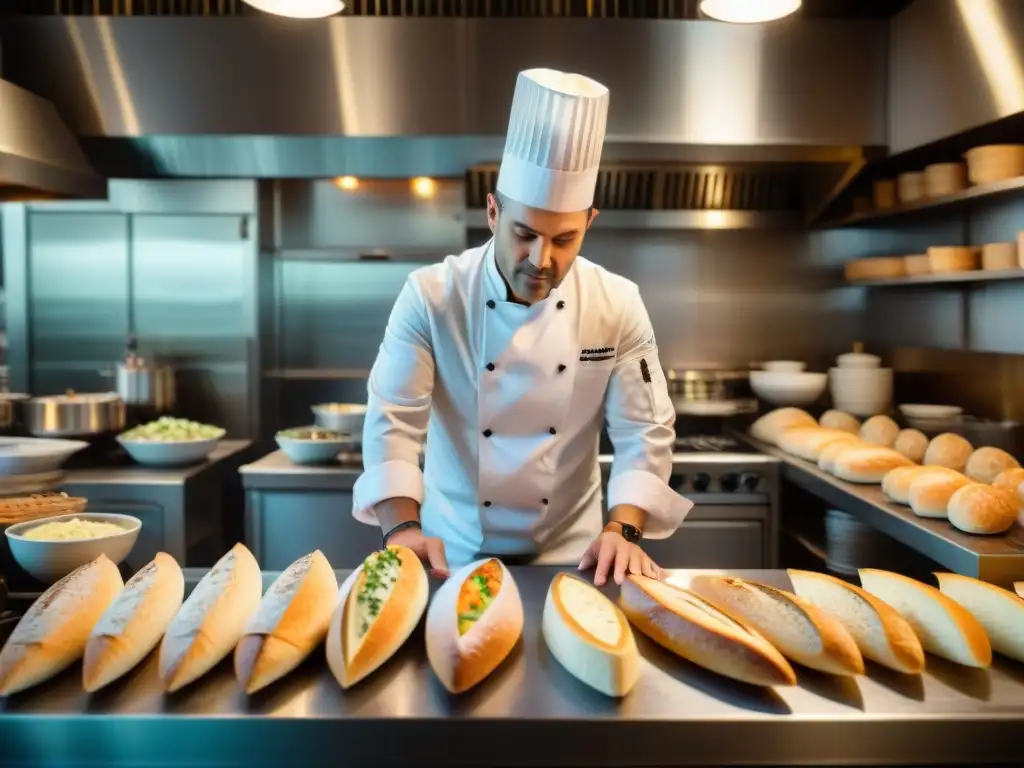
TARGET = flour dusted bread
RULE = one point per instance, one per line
(808, 442)
(868, 465)
(912, 443)
(983, 509)
(687, 625)
(840, 420)
(800, 631)
(134, 623)
(880, 430)
(948, 450)
(474, 622)
(290, 622)
(896, 484)
(1011, 480)
(52, 635)
(930, 493)
(379, 606)
(999, 611)
(589, 636)
(881, 634)
(943, 626)
(985, 464)
(212, 619)
(771, 426)
(828, 455)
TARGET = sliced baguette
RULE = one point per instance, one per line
(461, 660)
(882, 635)
(589, 636)
(801, 632)
(807, 442)
(690, 627)
(290, 622)
(212, 619)
(944, 627)
(379, 605)
(53, 634)
(999, 611)
(134, 623)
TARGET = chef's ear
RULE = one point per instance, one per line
(492, 213)
(593, 215)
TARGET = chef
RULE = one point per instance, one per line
(512, 356)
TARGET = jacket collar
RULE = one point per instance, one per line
(494, 285)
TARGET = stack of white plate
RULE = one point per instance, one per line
(859, 385)
(33, 465)
(851, 544)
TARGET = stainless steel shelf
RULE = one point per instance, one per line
(952, 278)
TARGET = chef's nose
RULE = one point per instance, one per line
(540, 254)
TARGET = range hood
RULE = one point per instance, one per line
(40, 159)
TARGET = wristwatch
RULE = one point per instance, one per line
(630, 533)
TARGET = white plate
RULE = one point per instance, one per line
(922, 412)
(35, 455)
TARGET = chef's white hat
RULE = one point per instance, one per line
(555, 135)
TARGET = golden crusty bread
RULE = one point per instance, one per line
(983, 509)
(868, 465)
(912, 443)
(879, 430)
(998, 610)
(687, 625)
(985, 464)
(948, 450)
(839, 420)
(1011, 480)
(807, 442)
(770, 426)
(930, 492)
(828, 455)
(1018, 587)
(802, 632)
(896, 484)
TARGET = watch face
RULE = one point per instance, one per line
(630, 532)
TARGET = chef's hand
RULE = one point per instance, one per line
(611, 552)
(430, 549)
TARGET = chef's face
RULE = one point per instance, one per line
(534, 248)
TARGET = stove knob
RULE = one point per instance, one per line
(750, 481)
(701, 481)
(730, 482)
(677, 482)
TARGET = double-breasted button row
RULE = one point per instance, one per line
(542, 501)
(488, 432)
(491, 304)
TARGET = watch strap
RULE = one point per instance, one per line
(630, 533)
(401, 527)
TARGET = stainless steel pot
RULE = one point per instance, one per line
(75, 415)
(710, 391)
(139, 383)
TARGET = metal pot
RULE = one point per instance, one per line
(75, 415)
(710, 391)
(12, 410)
(139, 383)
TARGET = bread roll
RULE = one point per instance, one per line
(690, 627)
(379, 606)
(839, 420)
(912, 443)
(807, 442)
(930, 493)
(589, 636)
(880, 430)
(212, 619)
(828, 455)
(985, 464)
(984, 509)
(474, 622)
(769, 427)
(800, 631)
(52, 635)
(948, 450)
(999, 611)
(943, 626)
(868, 465)
(896, 484)
(1018, 587)
(1011, 480)
(134, 623)
(290, 622)
(881, 634)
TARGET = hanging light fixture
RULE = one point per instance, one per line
(749, 11)
(299, 9)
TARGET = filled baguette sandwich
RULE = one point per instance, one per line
(801, 632)
(211, 621)
(688, 626)
(134, 623)
(53, 634)
(378, 607)
(880, 632)
(290, 622)
(589, 636)
(474, 621)
(998, 610)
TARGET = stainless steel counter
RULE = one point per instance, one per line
(529, 712)
(276, 472)
(997, 559)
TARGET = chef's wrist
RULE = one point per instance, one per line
(627, 514)
(393, 512)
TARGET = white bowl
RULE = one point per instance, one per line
(162, 453)
(861, 391)
(341, 417)
(50, 561)
(788, 388)
(785, 366)
(35, 455)
(858, 360)
(923, 412)
(312, 451)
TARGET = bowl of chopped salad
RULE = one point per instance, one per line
(170, 442)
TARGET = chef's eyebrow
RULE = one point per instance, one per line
(532, 231)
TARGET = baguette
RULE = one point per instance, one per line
(882, 635)
(688, 626)
(770, 427)
(53, 634)
(832, 451)
(290, 622)
(943, 626)
(868, 465)
(379, 606)
(473, 623)
(589, 636)
(985, 464)
(807, 442)
(212, 619)
(999, 611)
(983, 509)
(930, 493)
(801, 632)
(134, 623)
(896, 484)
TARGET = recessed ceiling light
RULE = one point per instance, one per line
(749, 11)
(299, 9)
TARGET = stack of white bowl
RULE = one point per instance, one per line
(859, 385)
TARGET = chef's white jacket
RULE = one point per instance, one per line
(514, 398)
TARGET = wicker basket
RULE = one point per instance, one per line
(22, 509)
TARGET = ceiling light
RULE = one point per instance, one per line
(348, 183)
(299, 9)
(424, 187)
(749, 11)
